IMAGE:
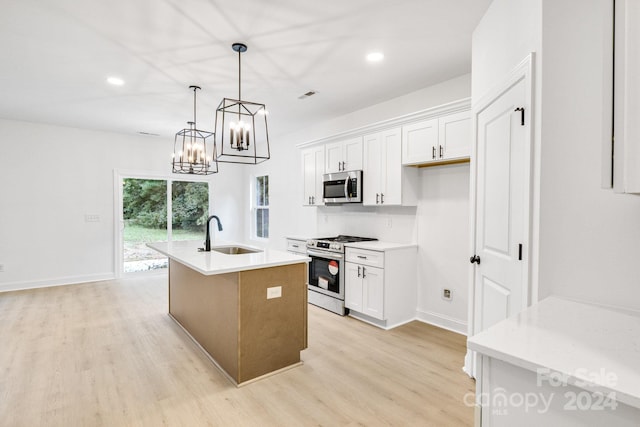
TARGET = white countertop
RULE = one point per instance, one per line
(597, 348)
(377, 245)
(209, 263)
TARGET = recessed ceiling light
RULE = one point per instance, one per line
(375, 56)
(116, 81)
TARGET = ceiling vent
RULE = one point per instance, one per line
(308, 94)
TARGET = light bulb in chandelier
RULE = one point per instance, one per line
(239, 135)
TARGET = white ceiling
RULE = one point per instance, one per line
(55, 56)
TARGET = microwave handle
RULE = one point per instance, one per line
(346, 189)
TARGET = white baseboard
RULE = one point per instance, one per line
(59, 281)
(441, 321)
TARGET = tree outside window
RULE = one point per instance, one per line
(261, 207)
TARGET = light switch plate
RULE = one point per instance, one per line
(274, 292)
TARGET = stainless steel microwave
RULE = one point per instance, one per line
(342, 187)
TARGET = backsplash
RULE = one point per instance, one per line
(391, 224)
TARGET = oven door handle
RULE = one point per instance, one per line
(335, 256)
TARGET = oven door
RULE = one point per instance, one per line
(326, 273)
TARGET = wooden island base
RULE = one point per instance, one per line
(229, 315)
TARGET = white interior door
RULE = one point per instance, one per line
(502, 204)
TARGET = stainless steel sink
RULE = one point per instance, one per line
(234, 250)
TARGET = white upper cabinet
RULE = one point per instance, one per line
(312, 170)
(385, 181)
(343, 155)
(454, 136)
(419, 142)
(441, 140)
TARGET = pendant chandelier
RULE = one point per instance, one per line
(191, 155)
(241, 126)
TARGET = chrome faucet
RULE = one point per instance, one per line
(207, 241)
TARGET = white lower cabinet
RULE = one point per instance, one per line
(379, 289)
(296, 246)
(365, 290)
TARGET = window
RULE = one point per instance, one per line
(261, 207)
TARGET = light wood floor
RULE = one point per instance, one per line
(107, 354)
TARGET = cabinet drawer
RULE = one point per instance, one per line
(298, 246)
(365, 257)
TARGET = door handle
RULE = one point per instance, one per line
(359, 271)
(433, 152)
(475, 259)
(363, 276)
(377, 197)
(362, 257)
(381, 198)
(346, 189)
(441, 151)
(313, 200)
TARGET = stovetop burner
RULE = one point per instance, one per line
(346, 239)
(335, 244)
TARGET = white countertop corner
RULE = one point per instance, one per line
(596, 348)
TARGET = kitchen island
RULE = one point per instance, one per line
(247, 311)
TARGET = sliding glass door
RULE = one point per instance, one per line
(158, 210)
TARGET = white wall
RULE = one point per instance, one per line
(51, 177)
(443, 237)
(585, 239)
(589, 237)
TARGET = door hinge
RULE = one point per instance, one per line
(521, 109)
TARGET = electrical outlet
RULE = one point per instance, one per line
(446, 294)
(274, 292)
(326, 219)
(91, 218)
(389, 222)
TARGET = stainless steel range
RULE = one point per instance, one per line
(326, 271)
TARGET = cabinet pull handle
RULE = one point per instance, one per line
(343, 166)
(359, 271)
(363, 275)
(313, 200)
(381, 198)
(362, 257)
(433, 152)
(377, 197)
(309, 199)
(441, 151)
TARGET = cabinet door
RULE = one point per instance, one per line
(333, 157)
(312, 170)
(353, 286)
(352, 154)
(454, 136)
(309, 175)
(372, 169)
(391, 168)
(373, 292)
(318, 194)
(419, 141)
